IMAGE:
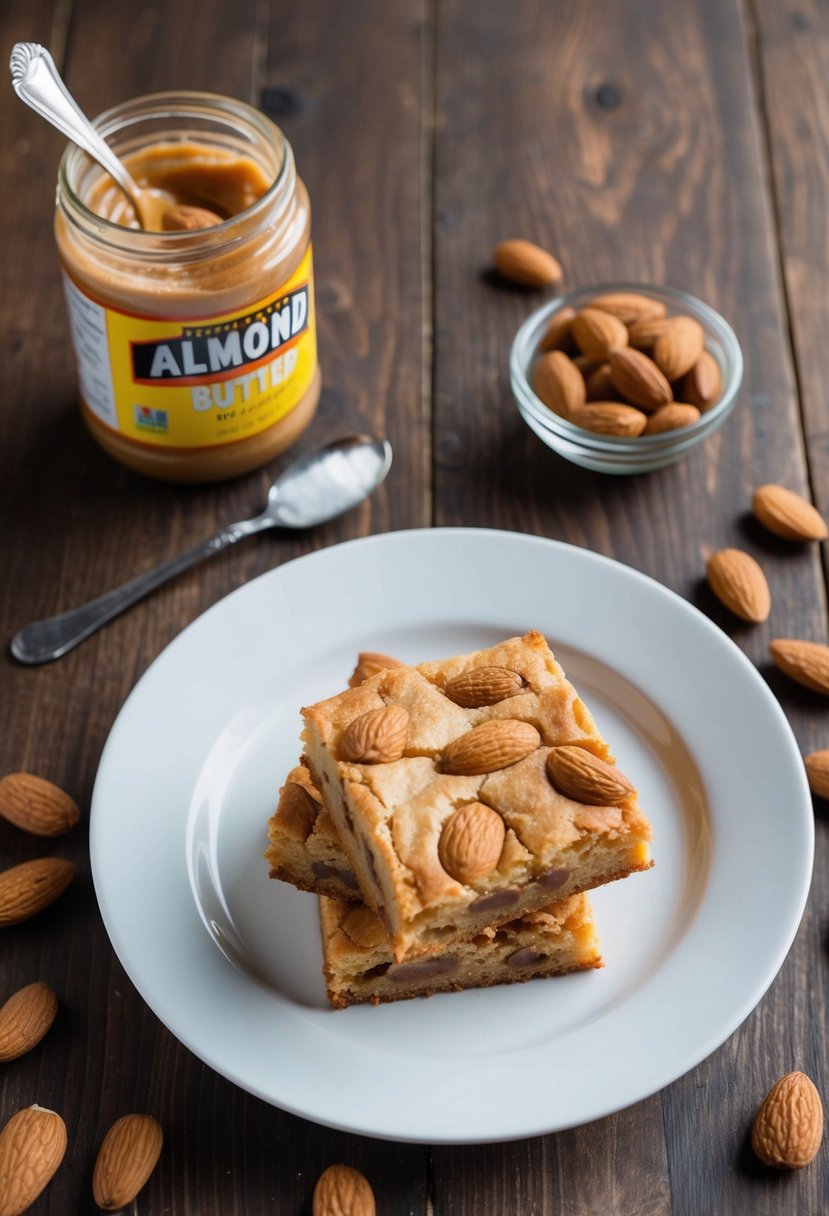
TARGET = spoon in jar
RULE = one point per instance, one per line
(36, 81)
(315, 488)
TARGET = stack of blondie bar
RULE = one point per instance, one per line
(450, 817)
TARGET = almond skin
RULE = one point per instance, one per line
(558, 383)
(471, 842)
(677, 350)
(491, 746)
(610, 418)
(558, 335)
(597, 333)
(24, 1019)
(738, 582)
(30, 887)
(484, 686)
(32, 1145)
(639, 380)
(36, 805)
(817, 772)
(578, 774)
(805, 662)
(376, 737)
(788, 1128)
(342, 1191)
(128, 1155)
(702, 385)
(629, 307)
(643, 334)
(788, 515)
(672, 417)
(599, 385)
(371, 663)
(526, 264)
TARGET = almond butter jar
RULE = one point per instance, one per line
(196, 349)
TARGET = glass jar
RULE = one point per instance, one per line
(196, 349)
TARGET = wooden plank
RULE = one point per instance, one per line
(74, 524)
(624, 136)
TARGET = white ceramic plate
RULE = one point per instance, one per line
(230, 961)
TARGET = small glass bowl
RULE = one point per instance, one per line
(615, 453)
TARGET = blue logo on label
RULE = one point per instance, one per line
(147, 419)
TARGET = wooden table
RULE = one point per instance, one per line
(685, 144)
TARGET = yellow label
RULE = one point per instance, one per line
(196, 382)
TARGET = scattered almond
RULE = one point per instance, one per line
(610, 418)
(677, 350)
(128, 1155)
(484, 686)
(788, 1128)
(471, 842)
(36, 805)
(738, 582)
(30, 887)
(805, 662)
(342, 1191)
(578, 774)
(32, 1145)
(526, 264)
(558, 383)
(671, 417)
(643, 334)
(639, 380)
(817, 772)
(183, 218)
(557, 335)
(788, 515)
(371, 663)
(493, 745)
(24, 1020)
(702, 385)
(597, 333)
(629, 307)
(376, 737)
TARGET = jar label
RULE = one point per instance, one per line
(196, 382)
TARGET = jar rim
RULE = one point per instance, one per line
(181, 103)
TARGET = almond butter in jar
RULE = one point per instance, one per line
(196, 349)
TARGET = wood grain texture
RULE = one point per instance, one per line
(626, 138)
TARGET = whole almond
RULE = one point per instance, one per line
(578, 774)
(558, 383)
(371, 663)
(672, 417)
(24, 1020)
(788, 515)
(629, 307)
(639, 380)
(526, 264)
(788, 1128)
(817, 772)
(597, 333)
(128, 1155)
(702, 385)
(738, 582)
(376, 737)
(586, 366)
(471, 842)
(610, 418)
(342, 1191)
(30, 887)
(557, 334)
(599, 386)
(643, 334)
(677, 350)
(32, 1145)
(492, 745)
(36, 805)
(484, 686)
(805, 662)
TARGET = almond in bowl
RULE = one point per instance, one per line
(625, 378)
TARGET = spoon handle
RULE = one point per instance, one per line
(37, 81)
(53, 637)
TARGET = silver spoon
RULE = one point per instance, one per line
(313, 489)
(36, 81)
